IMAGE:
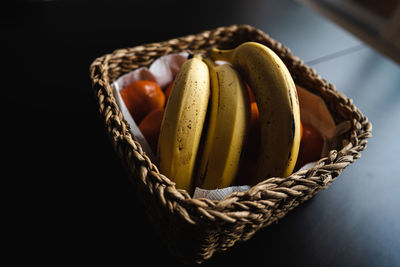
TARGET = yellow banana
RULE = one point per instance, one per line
(227, 126)
(276, 97)
(183, 122)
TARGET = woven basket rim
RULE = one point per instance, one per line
(239, 206)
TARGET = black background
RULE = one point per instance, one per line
(70, 199)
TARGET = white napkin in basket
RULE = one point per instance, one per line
(218, 194)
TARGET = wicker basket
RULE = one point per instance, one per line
(193, 229)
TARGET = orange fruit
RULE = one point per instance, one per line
(168, 91)
(252, 98)
(150, 127)
(250, 150)
(310, 146)
(142, 97)
(301, 131)
(255, 116)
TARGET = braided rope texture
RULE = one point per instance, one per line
(194, 229)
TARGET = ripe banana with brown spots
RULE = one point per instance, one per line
(276, 98)
(183, 122)
(229, 116)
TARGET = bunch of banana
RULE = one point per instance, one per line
(207, 116)
(194, 149)
(277, 101)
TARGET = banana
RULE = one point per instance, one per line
(183, 122)
(276, 97)
(227, 127)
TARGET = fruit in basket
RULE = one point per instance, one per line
(150, 127)
(183, 122)
(276, 97)
(229, 115)
(251, 149)
(253, 142)
(142, 97)
(168, 91)
(311, 146)
(252, 97)
(301, 131)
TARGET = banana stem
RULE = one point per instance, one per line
(198, 56)
(218, 54)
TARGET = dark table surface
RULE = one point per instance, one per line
(70, 199)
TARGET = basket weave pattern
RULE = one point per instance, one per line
(194, 229)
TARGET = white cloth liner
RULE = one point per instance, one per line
(218, 194)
